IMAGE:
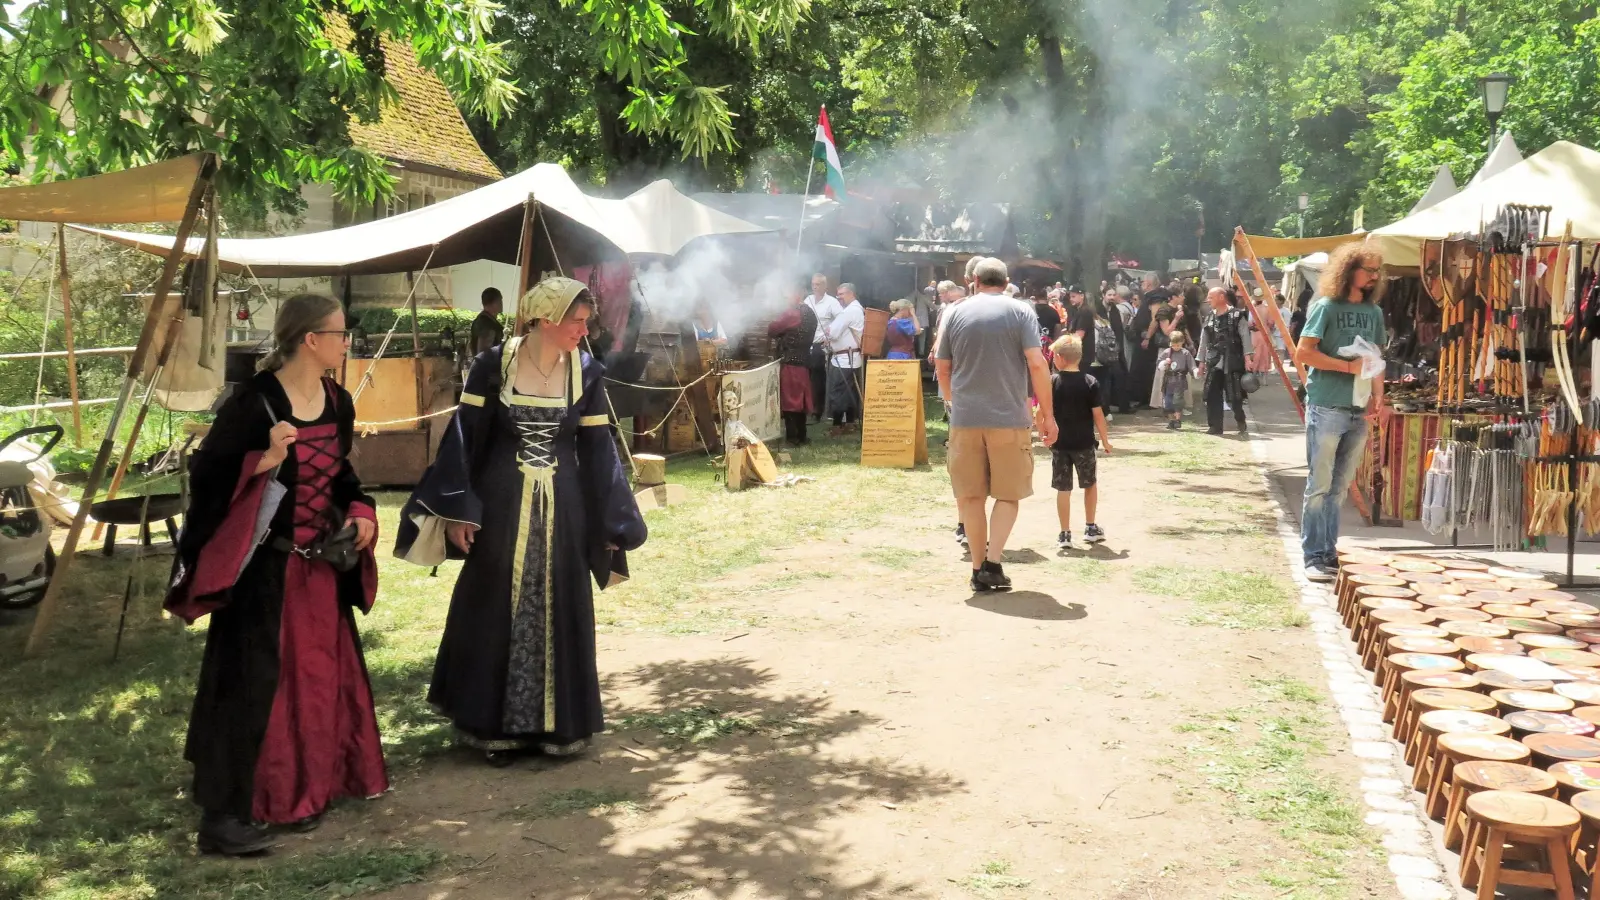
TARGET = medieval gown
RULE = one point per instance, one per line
(541, 478)
(283, 719)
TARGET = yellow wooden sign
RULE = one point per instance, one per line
(893, 431)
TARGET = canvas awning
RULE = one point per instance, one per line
(1271, 247)
(481, 224)
(1504, 155)
(1563, 176)
(1443, 188)
(155, 193)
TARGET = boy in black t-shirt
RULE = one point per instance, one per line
(1079, 415)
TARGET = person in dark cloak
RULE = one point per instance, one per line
(791, 335)
(1223, 341)
(1148, 342)
(283, 721)
(529, 490)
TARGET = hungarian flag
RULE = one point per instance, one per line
(823, 148)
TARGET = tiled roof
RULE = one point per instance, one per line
(424, 126)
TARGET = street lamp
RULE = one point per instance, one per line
(1304, 201)
(1495, 87)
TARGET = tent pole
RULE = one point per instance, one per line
(530, 211)
(1277, 362)
(66, 325)
(416, 358)
(169, 269)
(1241, 242)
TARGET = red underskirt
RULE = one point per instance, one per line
(794, 390)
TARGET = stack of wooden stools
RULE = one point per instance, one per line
(1509, 765)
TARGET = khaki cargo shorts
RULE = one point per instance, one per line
(991, 462)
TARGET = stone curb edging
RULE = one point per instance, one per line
(1391, 805)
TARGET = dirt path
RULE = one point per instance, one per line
(1141, 721)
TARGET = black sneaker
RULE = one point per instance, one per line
(994, 576)
(1320, 574)
(1214, 432)
(978, 585)
(1064, 540)
(1092, 534)
(961, 535)
(1243, 429)
(226, 835)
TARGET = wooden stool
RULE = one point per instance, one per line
(1536, 641)
(1414, 681)
(1589, 634)
(1491, 680)
(1419, 643)
(1479, 776)
(1414, 564)
(1583, 674)
(1368, 644)
(1570, 621)
(1406, 629)
(1590, 714)
(1549, 749)
(1503, 646)
(1430, 589)
(1475, 629)
(1536, 597)
(1532, 701)
(1344, 590)
(1486, 662)
(1347, 599)
(1461, 614)
(1498, 818)
(1580, 692)
(1416, 578)
(1512, 584)
(1451, 749)
(1516, 610)
(1574, 778)
(1462, 564)
(1434, 722)
(1526, 722)
(1374, 597)
(1519, 576)
(1567, 659)
(1494, 596)
(1522, 625)
(1398, 664)
(1587, 804)
(1470, 579)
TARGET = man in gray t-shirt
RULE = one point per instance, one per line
(989, 356)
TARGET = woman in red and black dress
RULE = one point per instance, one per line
(283, 720)
(791, 334)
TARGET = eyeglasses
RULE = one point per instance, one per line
(1372, 270)
(343, 333)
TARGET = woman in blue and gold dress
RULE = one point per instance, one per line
(529, 490)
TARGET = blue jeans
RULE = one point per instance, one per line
(1335, 438)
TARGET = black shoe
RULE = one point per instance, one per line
(992, 575)
(961, 535)
(226, 835)
(1243, 429)
(499, 758)
(305, 826)
(1217, 432)
(978, 586)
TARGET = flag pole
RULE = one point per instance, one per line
(811, 168)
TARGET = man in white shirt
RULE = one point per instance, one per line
(825, 307)
(844, 362)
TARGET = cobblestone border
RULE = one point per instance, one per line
(1392, 807)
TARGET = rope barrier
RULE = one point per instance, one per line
(368, 428)
(383, 347)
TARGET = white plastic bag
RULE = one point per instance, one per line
(1372, 366)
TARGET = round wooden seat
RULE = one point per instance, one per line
(1414, 565)
(1478, 662)
(1460, 614)
(1590, 714)
(1463, 565)
(1580, 692)
(1540, 595)
(1571, 621)
(1447, 601)
(1515, 610)
(1431, 589)
(1389, 630)
(1586, 674)
(1350, 577)
(1475, 629)
(1395, 664)
(1434, 722)
(1490, 680)
(1589, 635)
(1498, 818)
(1549, 749)
(1522, 576)
(1536, 641)
(1424, 578)
(1399, 599)
(1533, 701)
(1363, 555)
(1519, 625)
(1494, 596)
(1452, 749)
(1573, 778)
(1422, 643)
(1367, 643)
(1580, 659)
(1504, 646)
(1586, 801)
(1403, 716)
(1482, 775)
(1465, 577)
(1525, 723)
(1514, 584)
(1348, 587)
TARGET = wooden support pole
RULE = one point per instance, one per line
(1277, 362)
(1241, 244)
(169, 270)
(525, 274)
(174, 334)
(66, 326)
(416, 358)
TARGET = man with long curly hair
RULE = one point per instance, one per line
(1336, 426)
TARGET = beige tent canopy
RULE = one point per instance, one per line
(1504, 155)
(1443, 188)
(482, 224)
(1563, 176)
(154, 193)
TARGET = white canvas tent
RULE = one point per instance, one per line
(1563, 176)
(482, 224)
(1443, 188)
(1504, 155)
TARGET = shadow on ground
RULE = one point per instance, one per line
(1028, 605)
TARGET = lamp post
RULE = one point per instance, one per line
(1495, 86)
(1303, 201)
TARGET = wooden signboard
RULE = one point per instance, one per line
(893, 432)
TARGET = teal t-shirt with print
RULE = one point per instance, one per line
(1335, 323)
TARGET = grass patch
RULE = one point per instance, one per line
(704, 724)
(1085, 570)
(1208, 528)
(894, 557)
(556, 804)
(992, 879)
(1260, 757)
(1189, 452)
(1241, 600)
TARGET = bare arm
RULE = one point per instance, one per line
(1039, 376)
(941, 369)
(1309, 353)
(1100, 426)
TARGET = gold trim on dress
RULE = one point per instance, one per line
(471, 399)
(533, 400)
(591, 421)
